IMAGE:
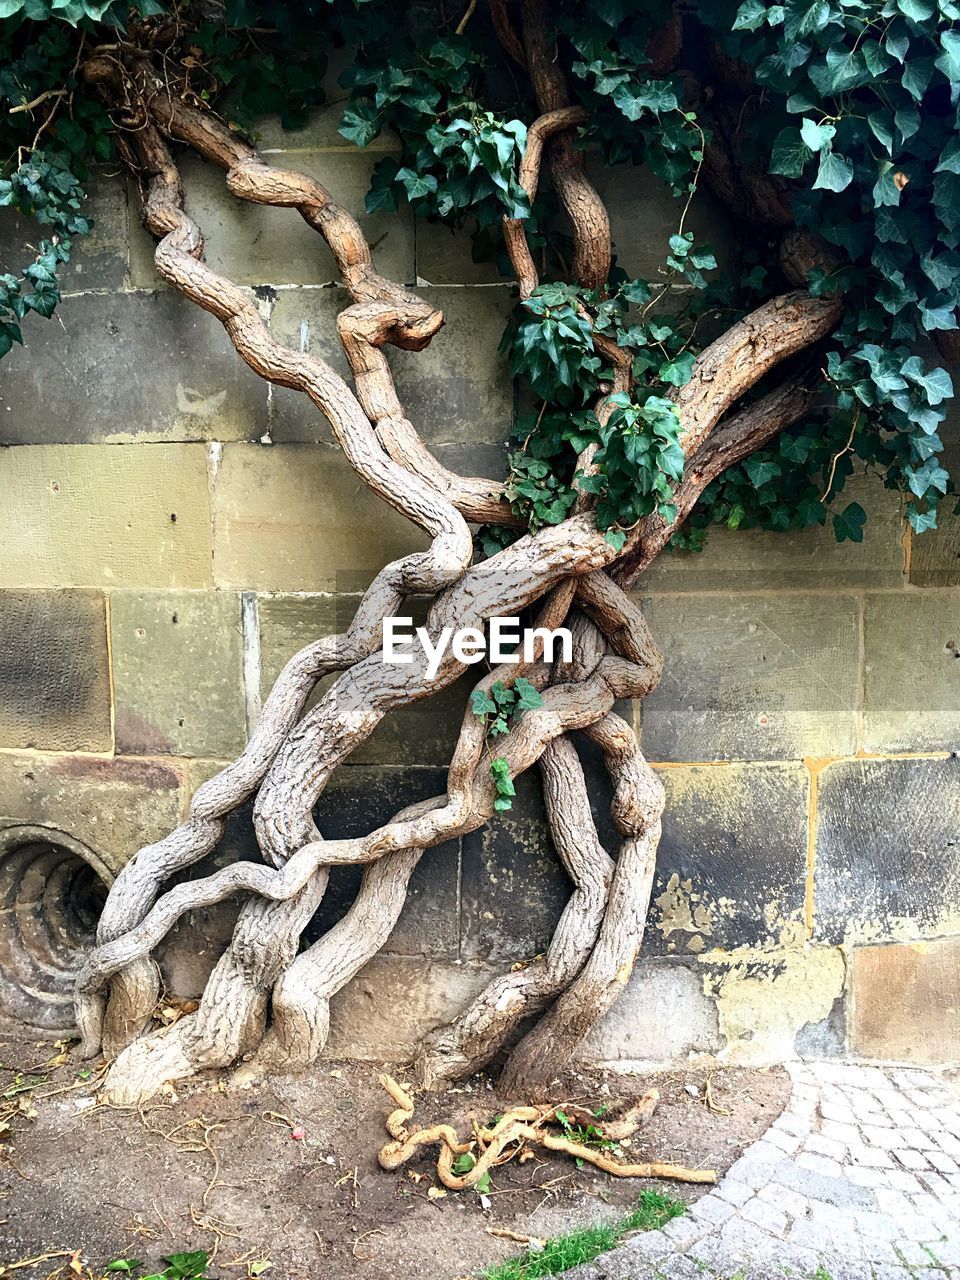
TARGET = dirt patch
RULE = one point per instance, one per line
(287, 1172)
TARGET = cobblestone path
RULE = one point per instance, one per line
(859, 1178)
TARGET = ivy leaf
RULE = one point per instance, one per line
(616, 538)
(835, 172)
(848, 524)
(790, 154)
(760, 470)
(816, 136)
(949, 60)
(751, 15)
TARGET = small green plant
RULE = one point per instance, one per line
(653, 1210)
(586, 1135)
(498, 709)
(463, 1164)
(180, 1266)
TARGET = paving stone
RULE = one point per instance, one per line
(911, 674)
(54, 671)
(297, 518)
(114, 806)
(860, 889)
(458, 390)
(765, 1216)
(792, 691)
(177, 672)
(906, 1005)
(97, 515)
(190, 383)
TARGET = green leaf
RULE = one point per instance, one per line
(760, 470)
(816, 136)
(835, 172)
(616, 538)
(790, 154)
(950, 157)
(949, 60)
(848, 524)
(751, 15)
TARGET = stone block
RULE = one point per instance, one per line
(906, 1001)
(644, 215)
(457, 390)
(912, 672)
(753, 677)
(101, 516)
(54, 671)
(423, 733)
(259, 244)
(297, 517)
(804, 560)
(514, 886)
(731, 866)
(935, 555)
(357, 801)
(97, 261)
(114, 806)
(74, 381)
(886, 851)
(177, 672)
(445, 256)
(662, 1016)
(384, 1013)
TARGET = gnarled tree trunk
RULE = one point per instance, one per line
(571, 570)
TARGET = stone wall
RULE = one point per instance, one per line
(174, 529)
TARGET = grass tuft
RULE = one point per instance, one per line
(652, 1211)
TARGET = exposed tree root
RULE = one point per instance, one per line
(516, 1128)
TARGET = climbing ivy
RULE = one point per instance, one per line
(858, 127)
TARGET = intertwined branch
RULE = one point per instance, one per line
(292, 753)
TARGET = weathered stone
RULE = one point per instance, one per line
(754, 560)
(644, 214)
(444, 256)
(385, 1012)
(753, 677)
(826, 1038)
(258, 244)
(662, 1016)
(97, 515)
(177, 672)
(731, 866)
(764, 997)
(296, 517)
(458, 390)
(906, 1002)
(935, 555)
(54, 671)
(423, 733)
(359, 800)
(514, 886)
(115, 806)
(886, 853)
(912, 672)
(97, 261)
(74, 380)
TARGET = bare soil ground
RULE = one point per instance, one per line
(287, 1173)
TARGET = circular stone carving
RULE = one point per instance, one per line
(52, 890)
